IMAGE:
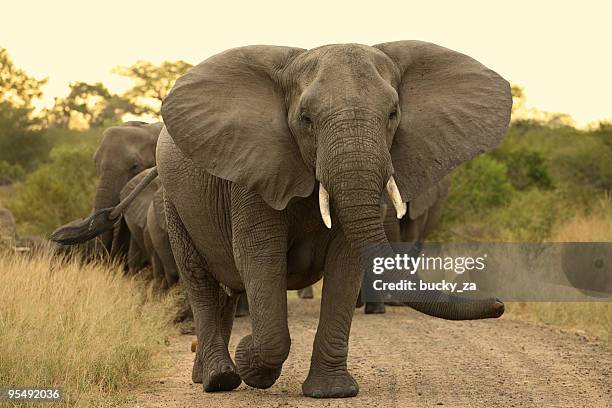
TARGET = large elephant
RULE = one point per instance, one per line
(261, 142)
(250, 132)
(125, 151)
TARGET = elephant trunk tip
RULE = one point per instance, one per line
(85, 230)
(498, 308)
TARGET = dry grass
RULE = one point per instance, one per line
(86, 329)
(590, 318)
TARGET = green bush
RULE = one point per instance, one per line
(10, 173)
(527, 169)
(57, 192)
(479, 185)
(541, 175)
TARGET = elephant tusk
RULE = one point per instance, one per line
(324, 205)
(396, 198)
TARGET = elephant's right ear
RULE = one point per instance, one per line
(228, 115)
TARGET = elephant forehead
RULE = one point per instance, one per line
(339, 63)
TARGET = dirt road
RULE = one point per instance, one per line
(405, 359)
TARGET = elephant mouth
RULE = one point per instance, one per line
(392, 190)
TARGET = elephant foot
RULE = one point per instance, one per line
(218, 375)
(306, 293)
(196, 371)
(222, 378)
(255, 377)
(337, 385)
(374, 308)
(242, 309)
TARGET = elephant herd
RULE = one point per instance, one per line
(276, 167)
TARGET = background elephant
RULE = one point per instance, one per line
(135, 217)
(149, 242)
(125, 151)
(273, 163)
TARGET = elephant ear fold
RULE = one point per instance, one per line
(452, 109)
(426, 200)
(228, 115)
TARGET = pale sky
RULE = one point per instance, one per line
(560, 53)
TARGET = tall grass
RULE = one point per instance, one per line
(591, 318)
(87, 329)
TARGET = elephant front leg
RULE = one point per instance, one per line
(329, 376)
(213, 311)
(260, 250)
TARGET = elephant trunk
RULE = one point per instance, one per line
(354, 178)
(107, 195)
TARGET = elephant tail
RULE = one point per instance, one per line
(102, 220)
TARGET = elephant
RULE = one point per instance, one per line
(274, 160)
(124, 151)
(141, 250)
(145, 219)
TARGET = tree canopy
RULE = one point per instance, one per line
(151, 83)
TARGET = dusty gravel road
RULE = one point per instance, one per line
(406, 359)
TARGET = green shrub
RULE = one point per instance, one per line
(527, 169)
(529, 217)
(479, 185)
(588, 164)
(10, 173)
(57, 192)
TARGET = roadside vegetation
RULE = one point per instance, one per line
(85, 328)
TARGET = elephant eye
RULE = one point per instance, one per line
(305, 119)
(393, 114)
(135, 167)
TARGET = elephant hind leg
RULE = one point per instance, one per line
(213, 311)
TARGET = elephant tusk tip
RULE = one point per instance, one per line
(327, 223)
(400, 214)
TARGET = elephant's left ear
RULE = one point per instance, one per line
(228, 115)
(452, 109)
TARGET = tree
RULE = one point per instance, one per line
(88, 105)
(151, 83)
(17, 88)
(518, 98)
(21, 141)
